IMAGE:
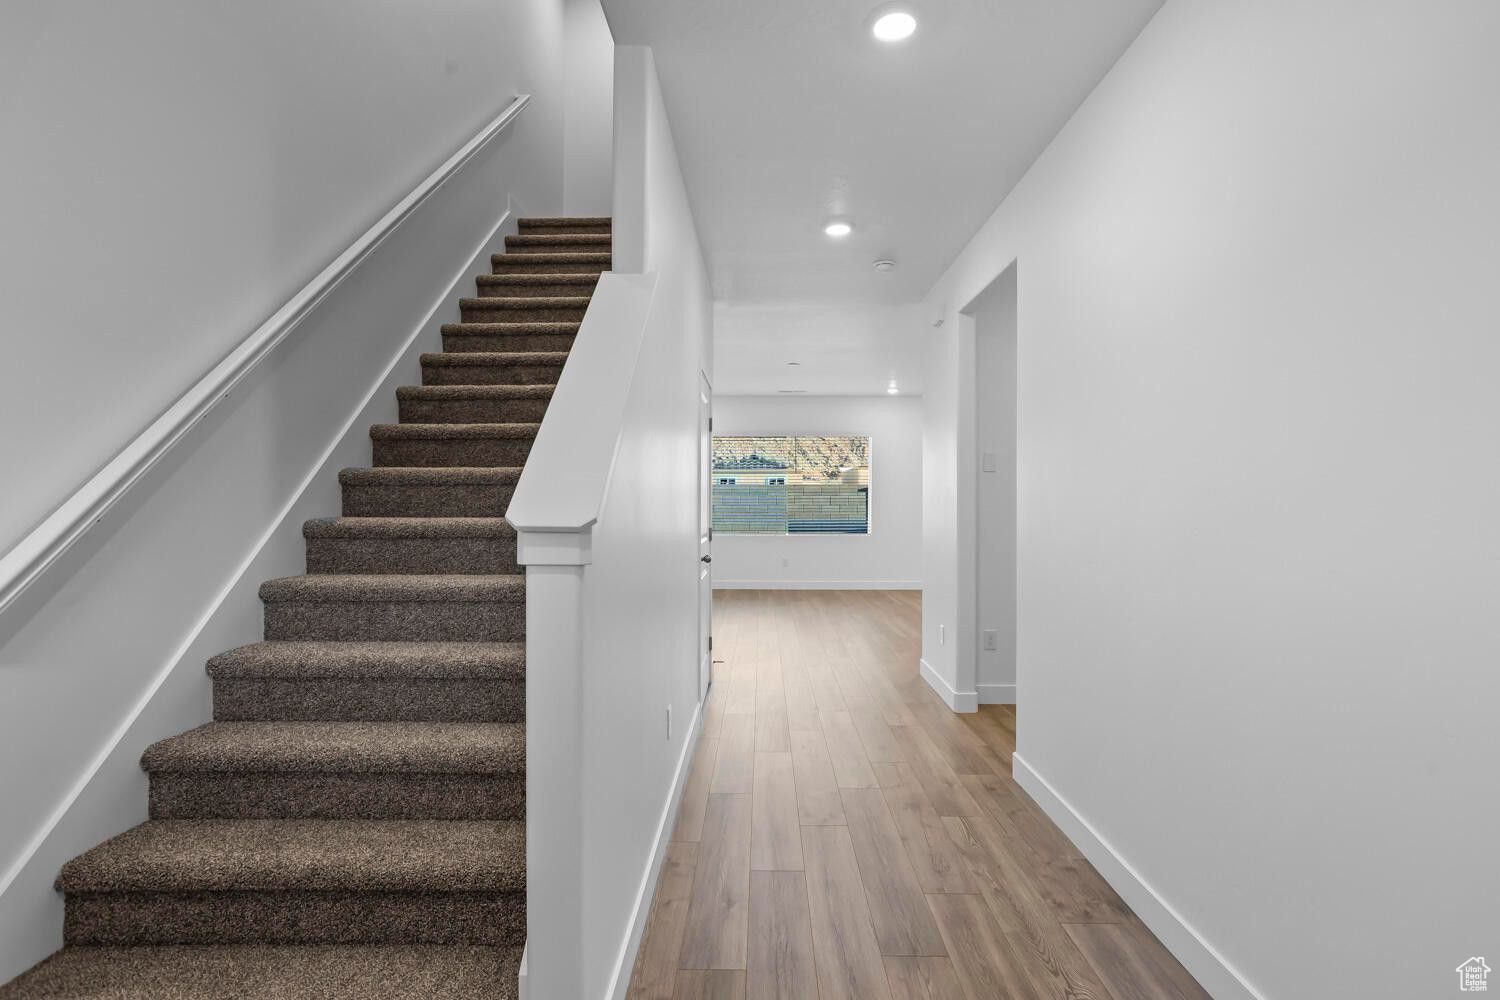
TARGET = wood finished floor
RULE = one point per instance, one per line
(844, 836)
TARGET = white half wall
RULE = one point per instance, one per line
(200, 162)
(1258, 545)
(890, 556)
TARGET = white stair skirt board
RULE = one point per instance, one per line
(631, 946)
(997, 694)
(959, 701)
(817, 584)
(1199, 957)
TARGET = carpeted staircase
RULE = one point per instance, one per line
(351, 824)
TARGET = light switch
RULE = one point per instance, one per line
(991, 463)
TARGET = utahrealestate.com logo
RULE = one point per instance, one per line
(1473, 976)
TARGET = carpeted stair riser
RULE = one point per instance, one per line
(485, 368)
(346, 681)
(270, 795)
(396, 608)
(389, 621)
(451, 452)
(415, 555)
(427, 492)
(252, 699)
(410, 545)
(592, 262)
(473, 404)
(558, 243)
(523, 309)
(300, 881)
(554, 285)
(273, 972)
(283, 917)
(565, 224)
(500, 338)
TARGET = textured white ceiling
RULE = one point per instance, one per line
(788, 112)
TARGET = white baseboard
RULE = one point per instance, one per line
(817, 584)
(625, 964)
(996, 694)
(959, 701)
(1207, 965)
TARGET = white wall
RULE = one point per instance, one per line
(105, 653)
(841, 348)
(1258, 545)
(199, 163)
(891, 555)
(588, 131)
(994, 319)
(641, 589)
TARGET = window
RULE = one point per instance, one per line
(804, 485)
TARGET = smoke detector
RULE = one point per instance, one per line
(885, 266)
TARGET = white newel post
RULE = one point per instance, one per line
(554, 562)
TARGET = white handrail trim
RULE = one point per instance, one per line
(60, 530)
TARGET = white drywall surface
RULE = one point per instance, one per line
(1258, 545)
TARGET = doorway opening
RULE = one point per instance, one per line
(990, 452)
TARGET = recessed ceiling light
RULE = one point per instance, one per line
(838, 230)
(884, 266)
(794, 364)
(894, 26)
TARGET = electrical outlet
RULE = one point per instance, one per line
(942, 635)
(991, 639)
(669, 723)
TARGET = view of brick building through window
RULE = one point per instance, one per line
(791, 485)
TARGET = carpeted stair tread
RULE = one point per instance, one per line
(419, 476)
(558, 259)
(410, 432)
(240, 855)
(354, 588)
(487, 359)
(501, 303)
(429, 393)
(558, 239)
(344, 747)
(535, 279)
(408, 527)
(369, 660)
(558, 328)
(566, 221)
(272, 972)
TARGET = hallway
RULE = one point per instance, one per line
(844, 835)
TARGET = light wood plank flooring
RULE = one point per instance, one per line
(844, 835)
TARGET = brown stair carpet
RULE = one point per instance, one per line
(351, 823)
